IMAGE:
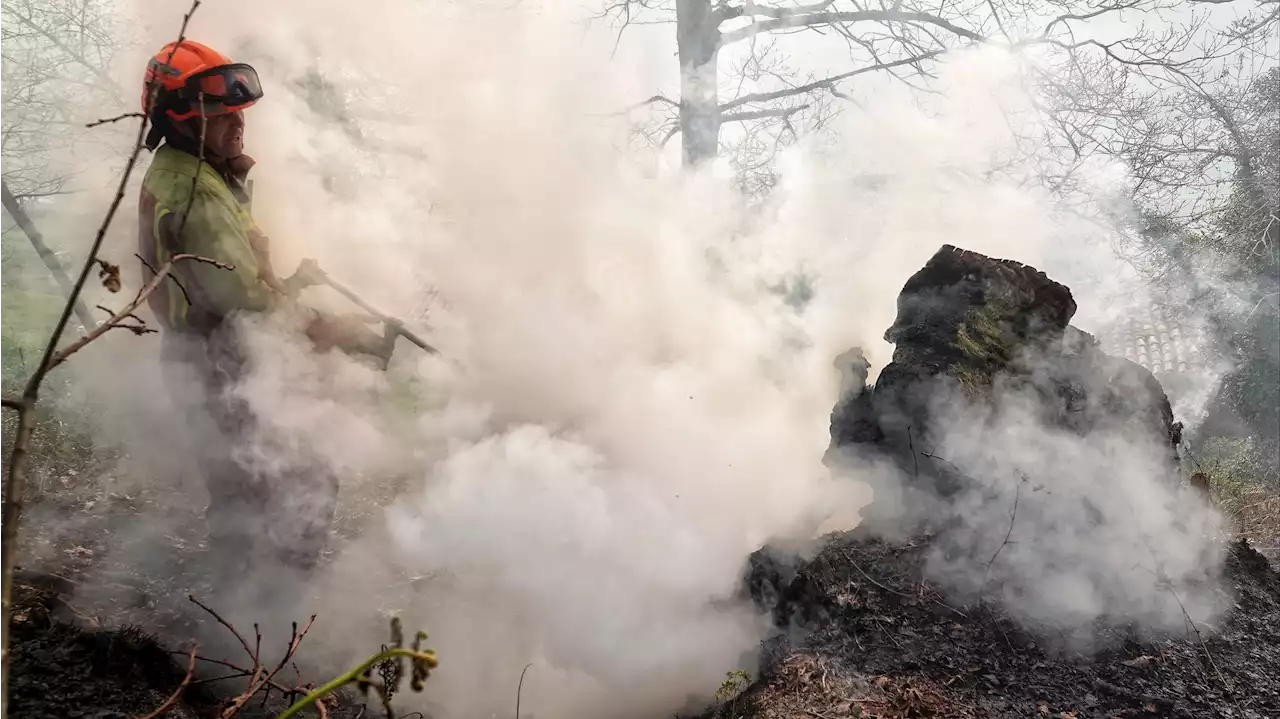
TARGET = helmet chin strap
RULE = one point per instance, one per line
(164, 128)
(161, 129)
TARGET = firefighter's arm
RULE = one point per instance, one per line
(261, 245)
(214, 231)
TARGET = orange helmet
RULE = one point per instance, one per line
(191, 75)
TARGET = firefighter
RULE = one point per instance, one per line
(263, 503)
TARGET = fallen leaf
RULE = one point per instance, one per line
(882, 681)
(110, 275)
(1139, 662)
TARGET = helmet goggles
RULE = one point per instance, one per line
(216, 91)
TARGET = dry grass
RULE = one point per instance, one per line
(1242, 484)
(806, 686)
(1255, 512)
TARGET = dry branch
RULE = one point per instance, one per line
(240, 672)
(846, 18)
(186, 297)
(750, 8)
(1013, 517)
(15, 480)
(826, 82)
(520, 688)
(782, 112)
(117, 118)
(118, 318)
(260, 680)
(230, 627)
(195, 178)
(79, 58)
(186, 681)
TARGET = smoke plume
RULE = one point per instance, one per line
(627, 405)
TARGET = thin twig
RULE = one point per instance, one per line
(143, 294)
(996, 622)
(1199, 637)
(172, 276)
(878, 584)
(520, 688)
(46, 363)
(1013, 517)
(915, 461)
(241, 671)
(195, 179)
(186, 681)
(234, 675)
(880, 626)
(16, 477)
(111, 313)
(117, 118)
(259, 678)
(904, 596)
(231, 628)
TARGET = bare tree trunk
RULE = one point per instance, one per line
(14, 487)
(697, 37)
(50, 260)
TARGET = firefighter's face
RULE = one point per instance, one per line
(224, 135)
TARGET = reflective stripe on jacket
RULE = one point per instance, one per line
(218, 227)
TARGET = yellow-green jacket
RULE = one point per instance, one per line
(218, 227)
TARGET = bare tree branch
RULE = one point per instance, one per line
(117, 319)
(656, 99)
(117, 118)
(832, 18)
(823, 83)
(783, 112)
(754, 10)
(1105, 9)
(93, 69)
(16, 478)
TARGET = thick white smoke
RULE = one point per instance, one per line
(626, 408)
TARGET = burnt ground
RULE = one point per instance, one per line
(66, 666)
(878, 641)
(102, 621)
(868, 636)
(62, 670)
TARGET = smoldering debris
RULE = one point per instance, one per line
(1031, 547)
(1047, 468)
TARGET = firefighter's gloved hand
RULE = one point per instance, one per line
(307, 275)
(350, 334)
(390, 333)
(367, 342)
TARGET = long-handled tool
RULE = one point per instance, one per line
(383, 317)
(309, 273)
